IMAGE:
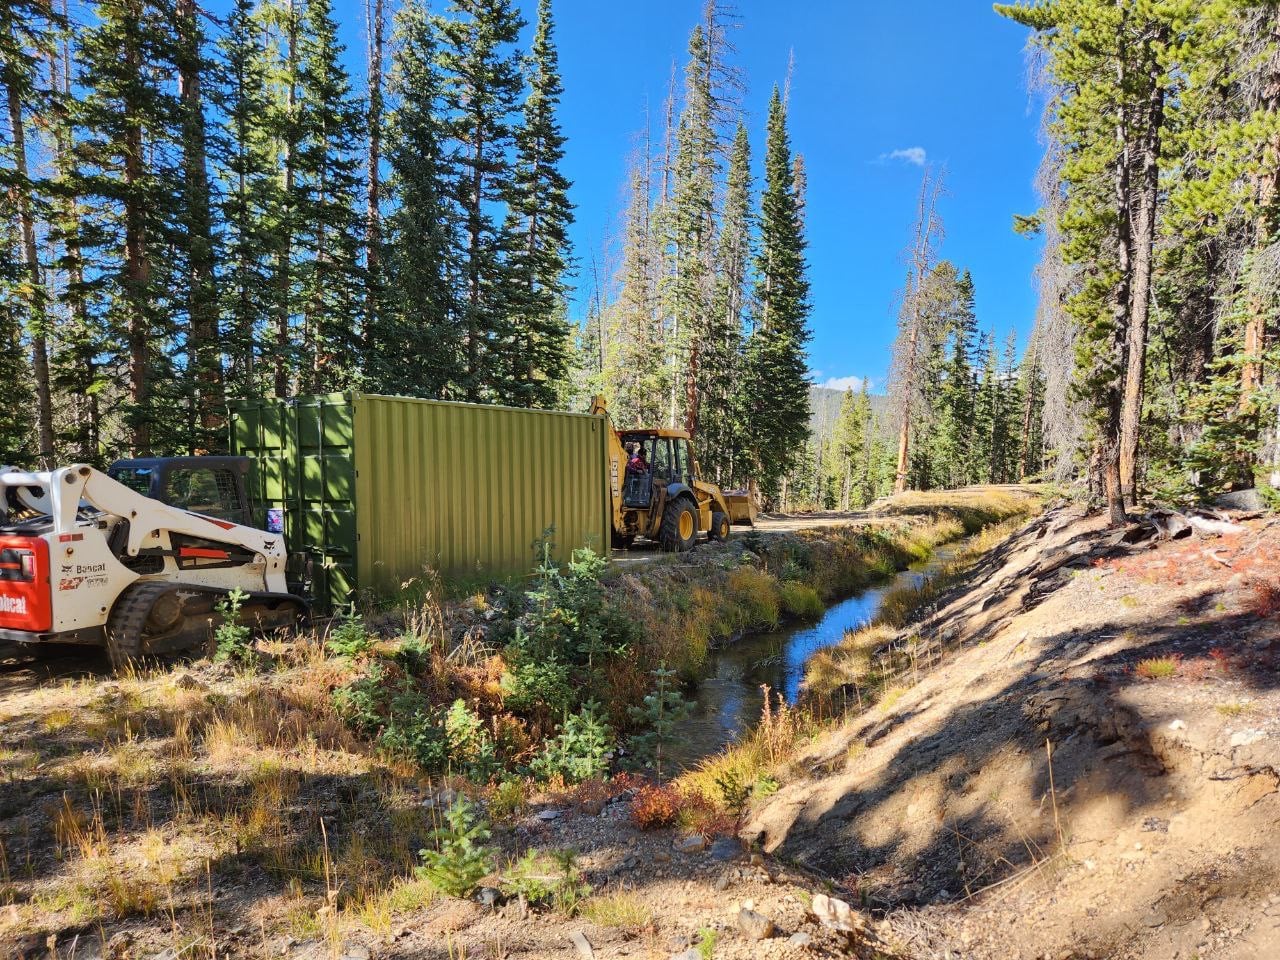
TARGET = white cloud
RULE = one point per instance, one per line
(842, 383)
(913, 155)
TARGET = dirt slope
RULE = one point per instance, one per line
(1153, 831)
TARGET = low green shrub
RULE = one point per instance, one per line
(547, 879)
(579, 750)
(349, 638)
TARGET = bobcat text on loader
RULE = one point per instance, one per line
(87, 559)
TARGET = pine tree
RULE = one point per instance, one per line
(774, 397)
(635, 376)
(417, 348)
(127, 115)
(917, 338)
(330, 127)
(692, 223)
(251, 201)
(719, 433)
(482, 86)
(955, 424)
(1111, 62)
(203, 373)
(24, 31)
(539, 218)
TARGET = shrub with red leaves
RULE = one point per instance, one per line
(655, 805)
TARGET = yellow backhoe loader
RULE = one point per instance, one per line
(657, 492)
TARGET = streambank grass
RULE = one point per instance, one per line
(870, 661)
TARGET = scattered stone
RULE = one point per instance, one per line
(1155, 825)
(754, 926)
(1244, 738)
(726, 849)
(679, 941)
(488, 897)
(723, 883)
(800, 940)
(355, 951)
(118, 945)
(549, 815)
(1177, 724)
(188, 682)
(592, 808)
(835, 914)
(757, 860)
(693, 953)
(1156, 918)
(693, 843)
(583, 945)
(661, 856)
(1249, 500)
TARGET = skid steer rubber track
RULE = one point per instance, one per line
(126, 627)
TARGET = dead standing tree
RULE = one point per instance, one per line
(913, 339)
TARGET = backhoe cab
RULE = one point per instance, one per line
(657, 493)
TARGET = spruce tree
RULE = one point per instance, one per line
(330, 127)
(482, 83)
(203, 375)
(539, 218)
(129, 116)
(417, 347)
(774, 397)
(25, 28)
(719, 434)
(250, 194)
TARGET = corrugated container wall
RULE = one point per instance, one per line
(375, 489)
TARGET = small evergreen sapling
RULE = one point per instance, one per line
(231, 636)
(460, 858)
(662, 711)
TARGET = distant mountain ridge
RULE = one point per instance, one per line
(824, 410)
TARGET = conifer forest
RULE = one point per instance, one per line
(202, 205)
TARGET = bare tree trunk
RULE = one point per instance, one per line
(1265, 192)
(1143, 240)
(204, 349)
(1108, 449)
(921, 259)
(38, 295)
(1028, 405)
(375, 21)
(137, 267)
(284, 255)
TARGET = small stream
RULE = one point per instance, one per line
(727, 703)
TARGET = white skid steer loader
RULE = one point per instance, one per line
(85, 559)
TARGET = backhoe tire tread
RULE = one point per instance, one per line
(719, 526)
(669, 536)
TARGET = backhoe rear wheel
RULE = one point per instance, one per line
(679, 526)
(719, 526)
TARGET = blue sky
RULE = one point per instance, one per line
(945, 77)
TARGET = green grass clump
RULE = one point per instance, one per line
(625, 911)
(800, 600)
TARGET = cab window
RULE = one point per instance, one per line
(206, 491)
(683, 470)
(661, 460)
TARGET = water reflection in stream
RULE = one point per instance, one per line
(727, 703)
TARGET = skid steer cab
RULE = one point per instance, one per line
(136, 561)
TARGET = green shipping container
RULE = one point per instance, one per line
(373, 490)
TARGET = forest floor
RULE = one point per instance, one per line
(203, 811)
